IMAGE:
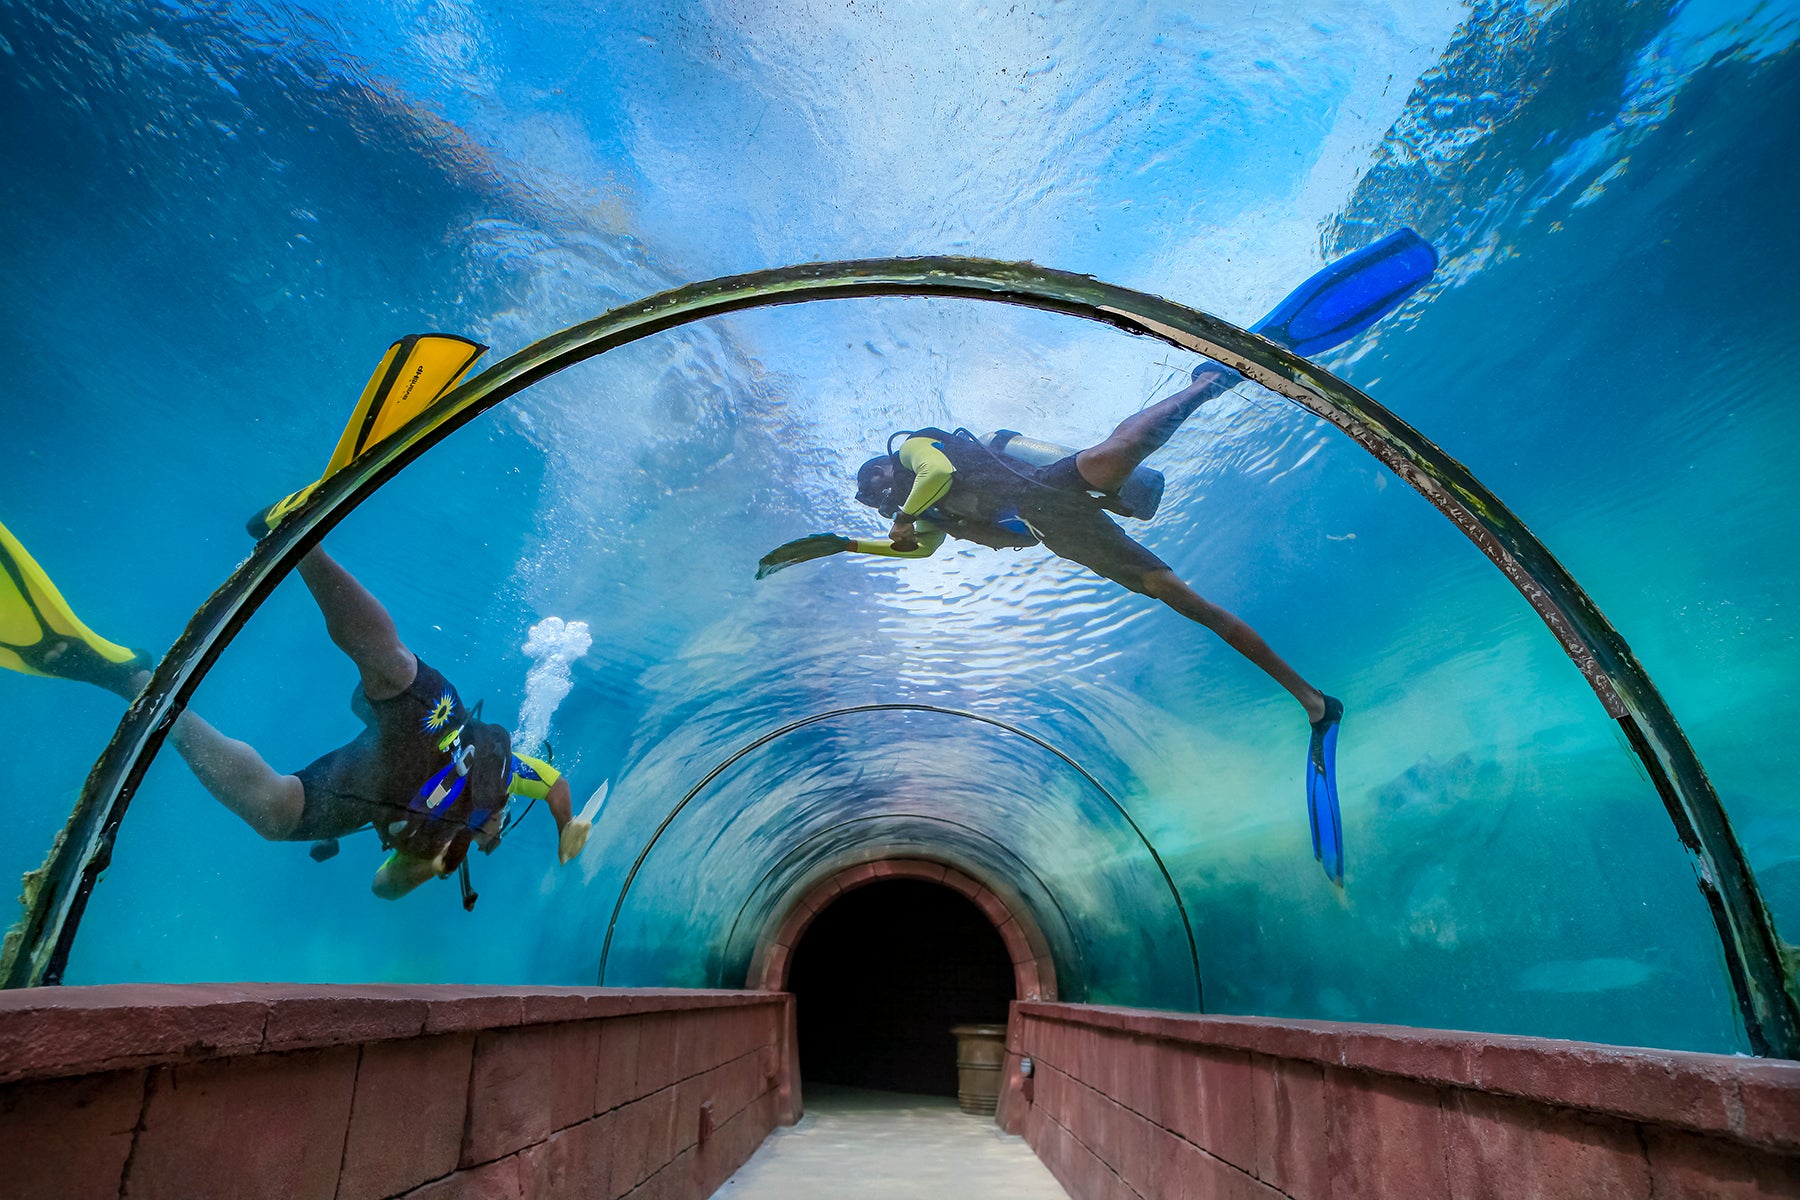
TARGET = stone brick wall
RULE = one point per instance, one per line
(1125, 1103)
(357, 1093)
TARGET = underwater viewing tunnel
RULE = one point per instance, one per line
(1212, 583)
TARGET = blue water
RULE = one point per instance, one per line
(221, 213)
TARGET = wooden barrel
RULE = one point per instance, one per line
(980, 1053)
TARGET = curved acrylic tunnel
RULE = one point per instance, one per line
(1166, 821)
(996, 809)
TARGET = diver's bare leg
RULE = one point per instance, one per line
(238, 778)
(1108, 465)
(360, 627)
(269, 802)
(1169, 588)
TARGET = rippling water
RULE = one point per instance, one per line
(222, 212)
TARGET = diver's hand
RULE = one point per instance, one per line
(573, 837)
(817, 545)
(904, 535)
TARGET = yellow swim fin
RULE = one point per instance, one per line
(415, 371)
(41, 635)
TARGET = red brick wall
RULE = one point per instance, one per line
(357, 1093)
(1126, 1103)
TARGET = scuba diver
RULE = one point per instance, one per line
(1008, 491)
(426, 774)
(940, 484)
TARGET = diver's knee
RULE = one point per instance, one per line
(388, 673)
(1174, 591)
(280, 807)
(1163, 585)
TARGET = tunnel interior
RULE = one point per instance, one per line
(882, 975)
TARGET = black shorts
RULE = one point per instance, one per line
(354, 785)
(1072, 526)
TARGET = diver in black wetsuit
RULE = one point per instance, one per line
(426, 774)
(941, 484)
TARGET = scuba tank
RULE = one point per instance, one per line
(1138, 497)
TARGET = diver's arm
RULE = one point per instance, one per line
(536, 779)
(932, 472)
(930, 537)
(562, 804)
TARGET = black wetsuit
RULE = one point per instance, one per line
(1054, 501)
(374, 779)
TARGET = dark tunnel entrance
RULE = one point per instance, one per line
(881, 976)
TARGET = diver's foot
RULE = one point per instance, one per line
(1321, 791)
(135, 683)
(1225, 377)
(573, 837)
(129, 679)
(1331, 711)
(265, 519)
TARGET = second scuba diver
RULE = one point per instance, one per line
(942, 484)
(939, 484)
(426, 773)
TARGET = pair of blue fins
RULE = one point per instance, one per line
(41, 635)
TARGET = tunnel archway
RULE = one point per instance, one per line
(1033, 968)
(880, 977)
(1038, 951)
(37, 950)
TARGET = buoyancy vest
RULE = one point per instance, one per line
(985, 486)
(989, 487)
(443, 774)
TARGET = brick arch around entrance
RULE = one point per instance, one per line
(1034, 974)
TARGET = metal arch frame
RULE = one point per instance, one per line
(37, 948)
(922, 851)
(831, 714)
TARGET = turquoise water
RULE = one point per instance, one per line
(223, 213)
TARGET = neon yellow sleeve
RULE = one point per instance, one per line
(932, 472)
(532, 777)
(930, 538)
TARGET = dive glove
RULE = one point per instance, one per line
(817, 545)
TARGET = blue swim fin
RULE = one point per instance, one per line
(1346, 297)
(1350, 295)
(1321, 792)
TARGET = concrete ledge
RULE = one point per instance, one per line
(358, 1093)
(1128, 1102)
(48, 1032)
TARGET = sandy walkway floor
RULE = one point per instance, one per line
(888, 1146)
